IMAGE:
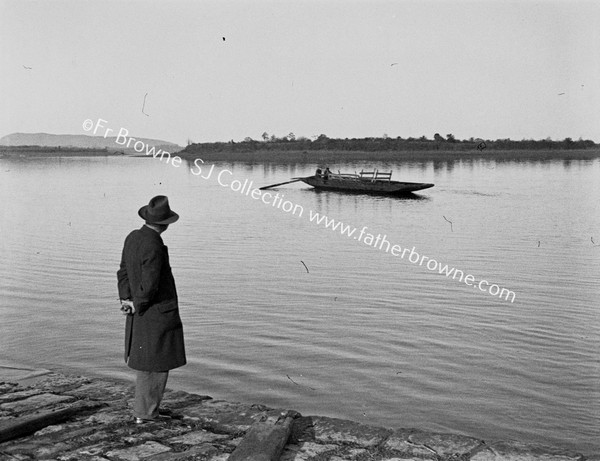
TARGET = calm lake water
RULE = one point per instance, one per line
(283, 311)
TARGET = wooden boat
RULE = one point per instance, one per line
(374, 182)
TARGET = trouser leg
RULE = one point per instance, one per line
(149, 390)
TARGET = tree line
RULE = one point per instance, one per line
(385, 143)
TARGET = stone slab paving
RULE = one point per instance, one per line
(145, 450)
(333, 430)
(35, 402)
(518, 451)
(101, 428)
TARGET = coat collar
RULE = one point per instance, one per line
(151, 233)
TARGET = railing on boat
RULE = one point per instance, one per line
(371, 176)
(376, 175)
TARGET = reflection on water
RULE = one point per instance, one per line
(282, 311)
(387, 198)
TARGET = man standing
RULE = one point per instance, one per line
(153, 330)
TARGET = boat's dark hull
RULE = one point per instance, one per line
(365, 185)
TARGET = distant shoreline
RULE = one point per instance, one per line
(330, 157)
(51, 151)
(320, 157)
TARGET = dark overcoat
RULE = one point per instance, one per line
(154, 333)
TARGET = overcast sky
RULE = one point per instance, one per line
(215, 71)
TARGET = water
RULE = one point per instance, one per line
(282, 311)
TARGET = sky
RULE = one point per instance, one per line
(205, 71)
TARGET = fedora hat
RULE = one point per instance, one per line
(158, 211)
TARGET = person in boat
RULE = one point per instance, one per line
(153, 329)
(318, 172)
(326, 174)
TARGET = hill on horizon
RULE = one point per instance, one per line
(81, 141)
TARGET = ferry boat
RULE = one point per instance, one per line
(375, 182)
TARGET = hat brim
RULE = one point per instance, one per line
(143, 213)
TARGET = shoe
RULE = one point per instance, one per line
(159, 418)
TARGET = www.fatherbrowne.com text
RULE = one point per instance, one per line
(382, 243)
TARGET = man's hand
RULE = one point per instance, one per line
(127, 307)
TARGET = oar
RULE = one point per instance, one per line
(281, 183)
